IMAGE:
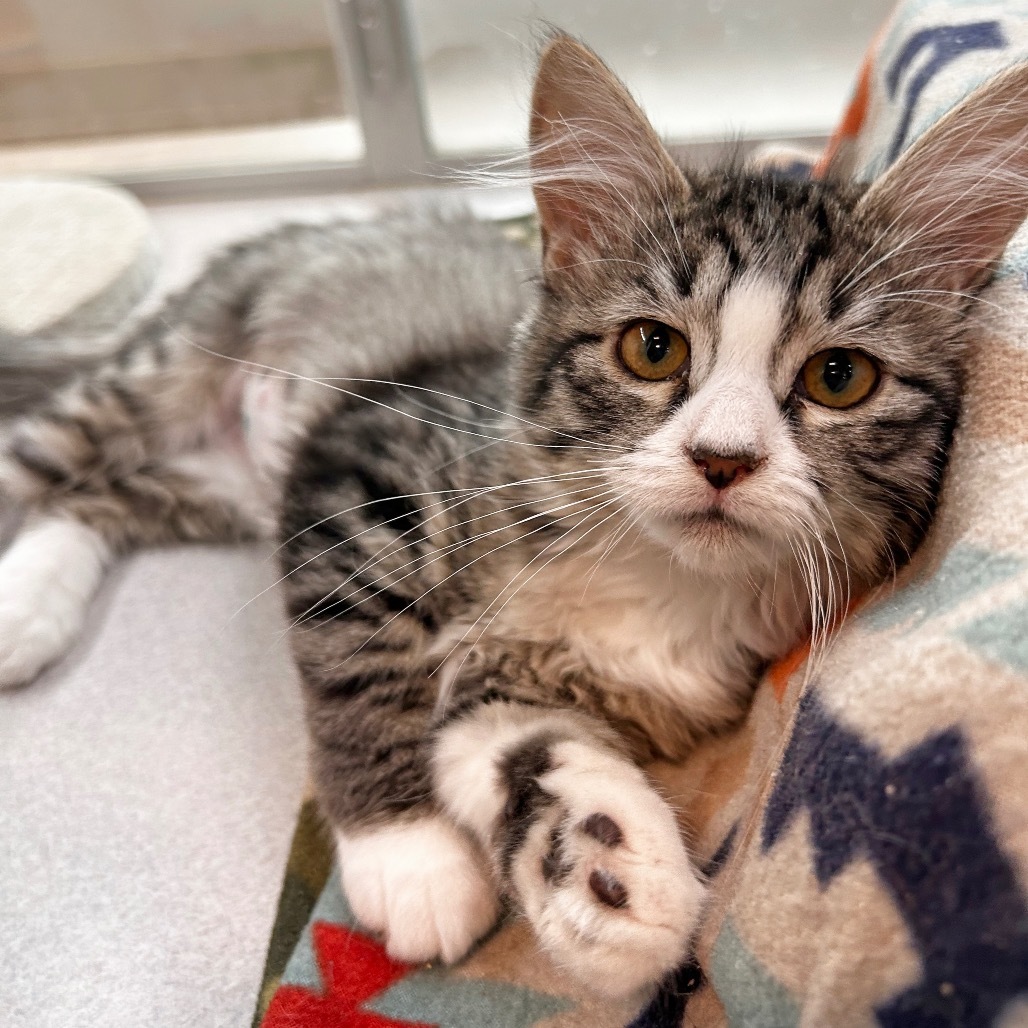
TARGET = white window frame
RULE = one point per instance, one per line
(375, 59)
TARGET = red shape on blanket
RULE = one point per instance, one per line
(353, 969)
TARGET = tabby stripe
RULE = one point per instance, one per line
(328, 608)
(891, 436)
(644, 284)
(908, 505)
(331, 532)
(923, 385)
(922, 419)
(397, 604)
(77, 423)
(887, 486)
(408, 697)
(394, 602)
(471, 699)
(399, 512)
(38, 464)
(838, 302)
(132, 404)
(818, 250)
(348, 686)
(721, 236)
(387, 754)
(593, 399)
(558, 351)
(682, 277)
(363, 594)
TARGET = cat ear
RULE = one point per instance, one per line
(594, 155)
(961, 191)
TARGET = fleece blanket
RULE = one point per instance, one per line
(865, 830)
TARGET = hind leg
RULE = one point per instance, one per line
(95, 476)
(47, 578)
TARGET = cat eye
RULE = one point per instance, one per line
(839, 378)
(652, 350)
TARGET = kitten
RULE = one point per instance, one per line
(521, 563)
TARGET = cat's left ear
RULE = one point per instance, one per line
(960, 192)
(594, 156)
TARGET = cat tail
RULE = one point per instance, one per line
(147, 448)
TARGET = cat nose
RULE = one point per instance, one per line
(721, 470)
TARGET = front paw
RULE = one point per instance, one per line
(421, 884)
(595, 857)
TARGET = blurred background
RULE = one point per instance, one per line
(181, 98)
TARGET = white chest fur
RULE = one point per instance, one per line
(640, 620)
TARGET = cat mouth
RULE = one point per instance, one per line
(710, 517)
(714, 525)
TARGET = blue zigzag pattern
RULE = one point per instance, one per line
(921, 820)
(944, 44)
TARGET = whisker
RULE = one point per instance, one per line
(438, 554)
(443, 582)
(441, 702)
(616, 537)
(472, 493)
(327, 383)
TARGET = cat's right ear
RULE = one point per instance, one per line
(955, 198)
(594, 156)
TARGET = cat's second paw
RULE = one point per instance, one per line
(47, 578)
(598, 864)
(422, 885)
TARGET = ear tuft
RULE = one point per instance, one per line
(593, 153)
(955, 198)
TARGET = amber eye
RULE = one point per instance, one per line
(839, 378)
(653, 351)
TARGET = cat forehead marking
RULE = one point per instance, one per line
(752, 319)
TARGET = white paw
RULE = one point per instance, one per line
(423, 885)
(47, 578)
(603, 874)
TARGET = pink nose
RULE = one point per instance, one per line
(721, 471)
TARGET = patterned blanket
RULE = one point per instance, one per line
(865, 831)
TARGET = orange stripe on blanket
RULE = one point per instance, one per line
(781, 671)
(856, 113)
(852, 120)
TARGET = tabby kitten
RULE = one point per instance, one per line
(518, 566)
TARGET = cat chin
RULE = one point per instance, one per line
(715, 545)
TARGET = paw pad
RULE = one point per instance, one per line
(603, 829)
(607, 889)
